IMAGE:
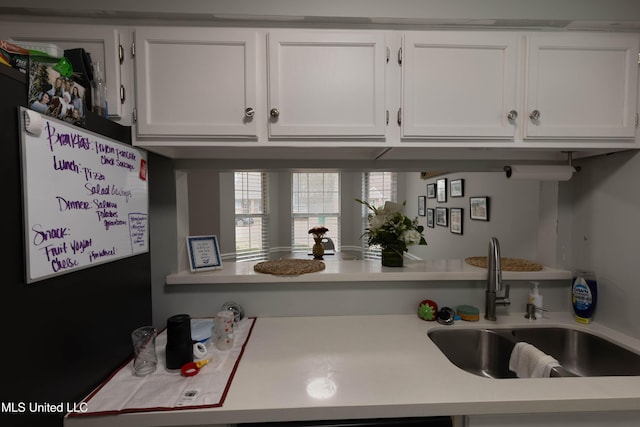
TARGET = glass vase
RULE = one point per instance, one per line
(392, 256)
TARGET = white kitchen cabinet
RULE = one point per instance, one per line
(196, 82)
(101, 42)
(479, 85)
(326, 84)
(459, 84)
(581, 86)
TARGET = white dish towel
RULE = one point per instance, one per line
(527, 361)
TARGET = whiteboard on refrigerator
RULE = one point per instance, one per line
(85, 197)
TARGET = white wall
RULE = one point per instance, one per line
(605, 198)
(203, 187)
(340, 299)
(163, 232)
(404, 9)
(513, 217)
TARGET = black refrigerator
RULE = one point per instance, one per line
(62, 336)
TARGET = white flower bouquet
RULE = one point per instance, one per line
(391, 229)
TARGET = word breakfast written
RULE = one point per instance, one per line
(123, 158)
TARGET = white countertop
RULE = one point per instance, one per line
(361, 271)
(303, 368)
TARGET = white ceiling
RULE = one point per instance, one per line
(618, 15)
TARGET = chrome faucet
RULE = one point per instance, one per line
(494, 281)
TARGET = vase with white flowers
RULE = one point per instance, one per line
(389, 228)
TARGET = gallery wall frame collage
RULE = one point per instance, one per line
(453, 217)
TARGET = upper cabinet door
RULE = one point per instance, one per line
(581, 86)
(195, 82)
(460, 84)
(102, 43)
(326, 84)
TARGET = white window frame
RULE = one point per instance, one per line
(262, 217)
(389, 192)
(296, 213)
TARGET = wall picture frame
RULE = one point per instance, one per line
(456, 187)
(431, 191)
(479, 208)
(441, 190)
(203, 253)
(442, 216)
(422, 205)
(455, 220)
(430, 217)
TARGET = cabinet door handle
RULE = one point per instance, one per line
(249, 112)
(274, 113)
(535, 115)
(123, 94)
(512, 115)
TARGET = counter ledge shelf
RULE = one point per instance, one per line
(360, 271)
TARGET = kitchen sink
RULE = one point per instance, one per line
(486, 352)
(483, 352)
(582, 353)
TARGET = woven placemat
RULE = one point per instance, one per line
(506, 264)
(289, 266)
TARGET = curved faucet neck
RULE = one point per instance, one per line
(494, 282)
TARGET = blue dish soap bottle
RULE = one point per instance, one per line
(584, 295)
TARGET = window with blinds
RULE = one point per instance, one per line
(251, 216)
(315, 201)
(377, 188)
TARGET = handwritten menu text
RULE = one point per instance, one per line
(87, 199)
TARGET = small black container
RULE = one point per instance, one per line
(179, 345)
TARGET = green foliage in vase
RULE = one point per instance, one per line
(388, 226)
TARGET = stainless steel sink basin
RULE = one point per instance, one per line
(483, 352)
(581, 353)
(486, 352)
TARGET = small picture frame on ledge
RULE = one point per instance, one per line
(422, 205)
(430, 217)
(441, 216)
(479, 208)
(204, 253)
(456, 220)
